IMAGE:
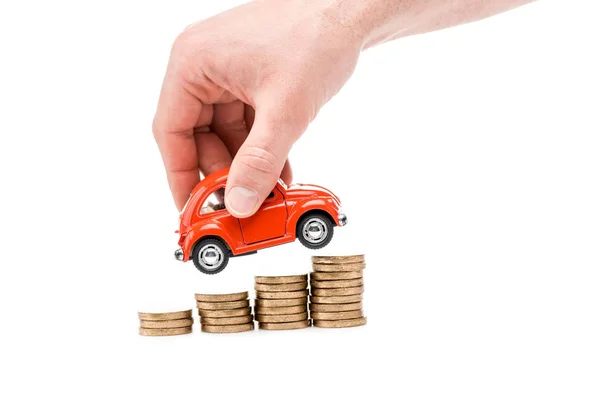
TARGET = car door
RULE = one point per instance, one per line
(269, 221)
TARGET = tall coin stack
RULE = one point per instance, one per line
(281, 302)
(224, 313)
(166, 324)
(336, 290)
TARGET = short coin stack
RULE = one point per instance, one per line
(224, 313)
(281, 302)
(336, 289)
(166, 324)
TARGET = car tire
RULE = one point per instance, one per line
(314, 230)
(210, 256)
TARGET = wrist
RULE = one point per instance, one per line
(370, 22)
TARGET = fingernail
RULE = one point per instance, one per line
(242, 200)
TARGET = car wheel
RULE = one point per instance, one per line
(210, 256)
(314, 230)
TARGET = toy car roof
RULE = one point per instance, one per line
(212, 179)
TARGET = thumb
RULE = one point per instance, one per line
(259, 162)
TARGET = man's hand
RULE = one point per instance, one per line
(241, 88)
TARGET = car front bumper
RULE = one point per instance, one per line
(342, 219)
(179, 254)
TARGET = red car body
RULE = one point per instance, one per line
(275, 222)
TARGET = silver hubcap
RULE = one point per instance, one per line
(314, 230)
(211, 256)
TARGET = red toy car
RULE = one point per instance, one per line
(209, 235)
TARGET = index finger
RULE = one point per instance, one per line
(177, 113)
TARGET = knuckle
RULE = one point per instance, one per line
(183, 43)
(261, 160)
(186, 54)
(232, 122)
(155, 128)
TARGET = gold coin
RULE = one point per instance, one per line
(334, 276)
(336, 299)
(339, 267)
(281, 287)
(283, 325)
(334, 316)
(335, 307)
(238, 312)
(172, 323)
(281, 279)
(227, 328)
(281, 302)
(282, 295)
(347, 323)
(210, 298)
(223, 305)
(165, 331)
(336, 284)
(282, 318)
(226, 321)
(338, 292)
(338, 259)
(165, 316)
(280, 310)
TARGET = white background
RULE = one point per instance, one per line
(468, 164)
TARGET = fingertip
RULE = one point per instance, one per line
(180, 204)
(241, 201)
(286, 174)
(181, 184)
(181, 198)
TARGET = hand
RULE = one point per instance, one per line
(241, 88)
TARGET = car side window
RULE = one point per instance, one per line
(271, 195)
(214, 202)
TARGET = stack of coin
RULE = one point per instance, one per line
(224, 313)
(336, 289)
(281, 302)
(166, 324)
